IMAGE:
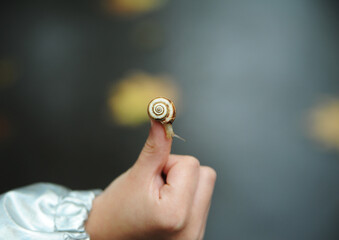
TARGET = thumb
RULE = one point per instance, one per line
(156, 150)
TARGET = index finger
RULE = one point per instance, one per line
(181, 179)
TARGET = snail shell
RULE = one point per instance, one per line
(162, 109)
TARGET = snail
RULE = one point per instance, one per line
(162, 110)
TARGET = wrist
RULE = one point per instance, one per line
(92, 225)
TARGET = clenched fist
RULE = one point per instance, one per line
(162, 196)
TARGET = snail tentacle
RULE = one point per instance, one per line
(177, 136)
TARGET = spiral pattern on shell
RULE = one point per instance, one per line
(161, 109)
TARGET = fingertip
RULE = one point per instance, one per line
(158, 133)
(157, 144)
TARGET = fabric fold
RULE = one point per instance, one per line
(45, 211)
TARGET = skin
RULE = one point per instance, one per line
(162, 196)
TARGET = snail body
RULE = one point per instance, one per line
(163, 110)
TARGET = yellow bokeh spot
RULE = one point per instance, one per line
(324, 123)
(132, 7)
(129, 98)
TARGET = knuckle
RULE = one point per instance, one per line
(192, 162)
(210, 174)
(149, 147)
(173, 222)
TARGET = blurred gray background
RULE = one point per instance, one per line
(250, 74)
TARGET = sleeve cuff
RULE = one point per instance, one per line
(72, 212)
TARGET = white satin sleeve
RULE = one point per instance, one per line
(45, 211)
